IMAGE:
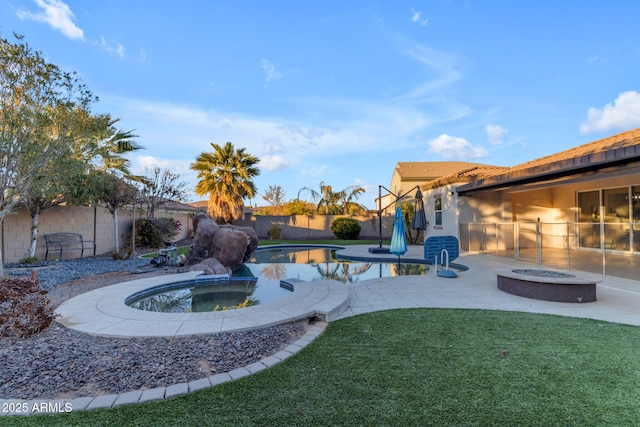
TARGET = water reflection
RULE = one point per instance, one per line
(198, 298)
(258, 281)
(343, 272)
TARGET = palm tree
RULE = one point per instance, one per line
(226, 175)
(335, 201)
(347, 197)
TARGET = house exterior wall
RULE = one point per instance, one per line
(449, 225)
(554, 204)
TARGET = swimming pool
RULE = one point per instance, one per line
(259, 280)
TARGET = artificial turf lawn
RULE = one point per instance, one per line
(422, 367)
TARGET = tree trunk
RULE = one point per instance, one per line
(1, 240)
(34, 233)
(115, 231)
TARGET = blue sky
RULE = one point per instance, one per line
(339, 91)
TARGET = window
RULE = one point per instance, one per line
(437, 208)
(589, 218)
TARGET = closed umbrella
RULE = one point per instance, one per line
(419, 220)
(398, 238)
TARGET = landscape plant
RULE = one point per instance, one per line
(336, 202)
(159, 187)
(152, 233)
(226, 177)
(346, 228)
(36, 99)
(274, 233)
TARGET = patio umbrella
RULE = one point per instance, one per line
(419, 220)
(398, 238)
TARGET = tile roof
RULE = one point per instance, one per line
(613, 150)
(466, 175)
(430, 170)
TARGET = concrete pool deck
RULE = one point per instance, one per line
(102, 311)
(618, 301)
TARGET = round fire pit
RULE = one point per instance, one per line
(546, 285)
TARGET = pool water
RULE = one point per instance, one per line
(258, 281)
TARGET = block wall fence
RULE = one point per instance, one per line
(310, 227)
(96, 223)
(92, 222)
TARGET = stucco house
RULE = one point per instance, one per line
(584, 198)
(408, 175)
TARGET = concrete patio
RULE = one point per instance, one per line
(618, 300)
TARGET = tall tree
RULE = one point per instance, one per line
(274, 195)
(160, 186)
(34, 96)
(226, 176)
(98, 145)
(348, 197)
(335, 202)
(114, 193)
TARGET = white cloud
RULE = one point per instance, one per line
(57, 14)
(113, 47)
(418, 19)
(597, 60)
(623, 114)
(273, 162)
(273, 157)
(443, 66)
(451, 147)
(495, 133)
(270, 69)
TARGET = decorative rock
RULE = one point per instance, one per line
(210, 266)
(227, 245)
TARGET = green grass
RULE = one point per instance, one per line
(421, 367)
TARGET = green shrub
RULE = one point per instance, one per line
(147, 235)
(29, 260)
(274, 233)
(346, 228)
(167, 227)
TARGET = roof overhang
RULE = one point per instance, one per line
(554, 171)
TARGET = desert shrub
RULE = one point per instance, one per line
(122, 255)
(274, 233)
(152, 233)
(147, 234)
(346, 228)
(25, 309)
(29, 260)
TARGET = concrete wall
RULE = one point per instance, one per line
(94, 223)
(310, 227)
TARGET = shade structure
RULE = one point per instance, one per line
(419, 220)
(398, 238)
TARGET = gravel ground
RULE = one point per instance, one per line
(62, 363)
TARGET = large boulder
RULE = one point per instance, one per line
(210, 266)
(230, 246)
